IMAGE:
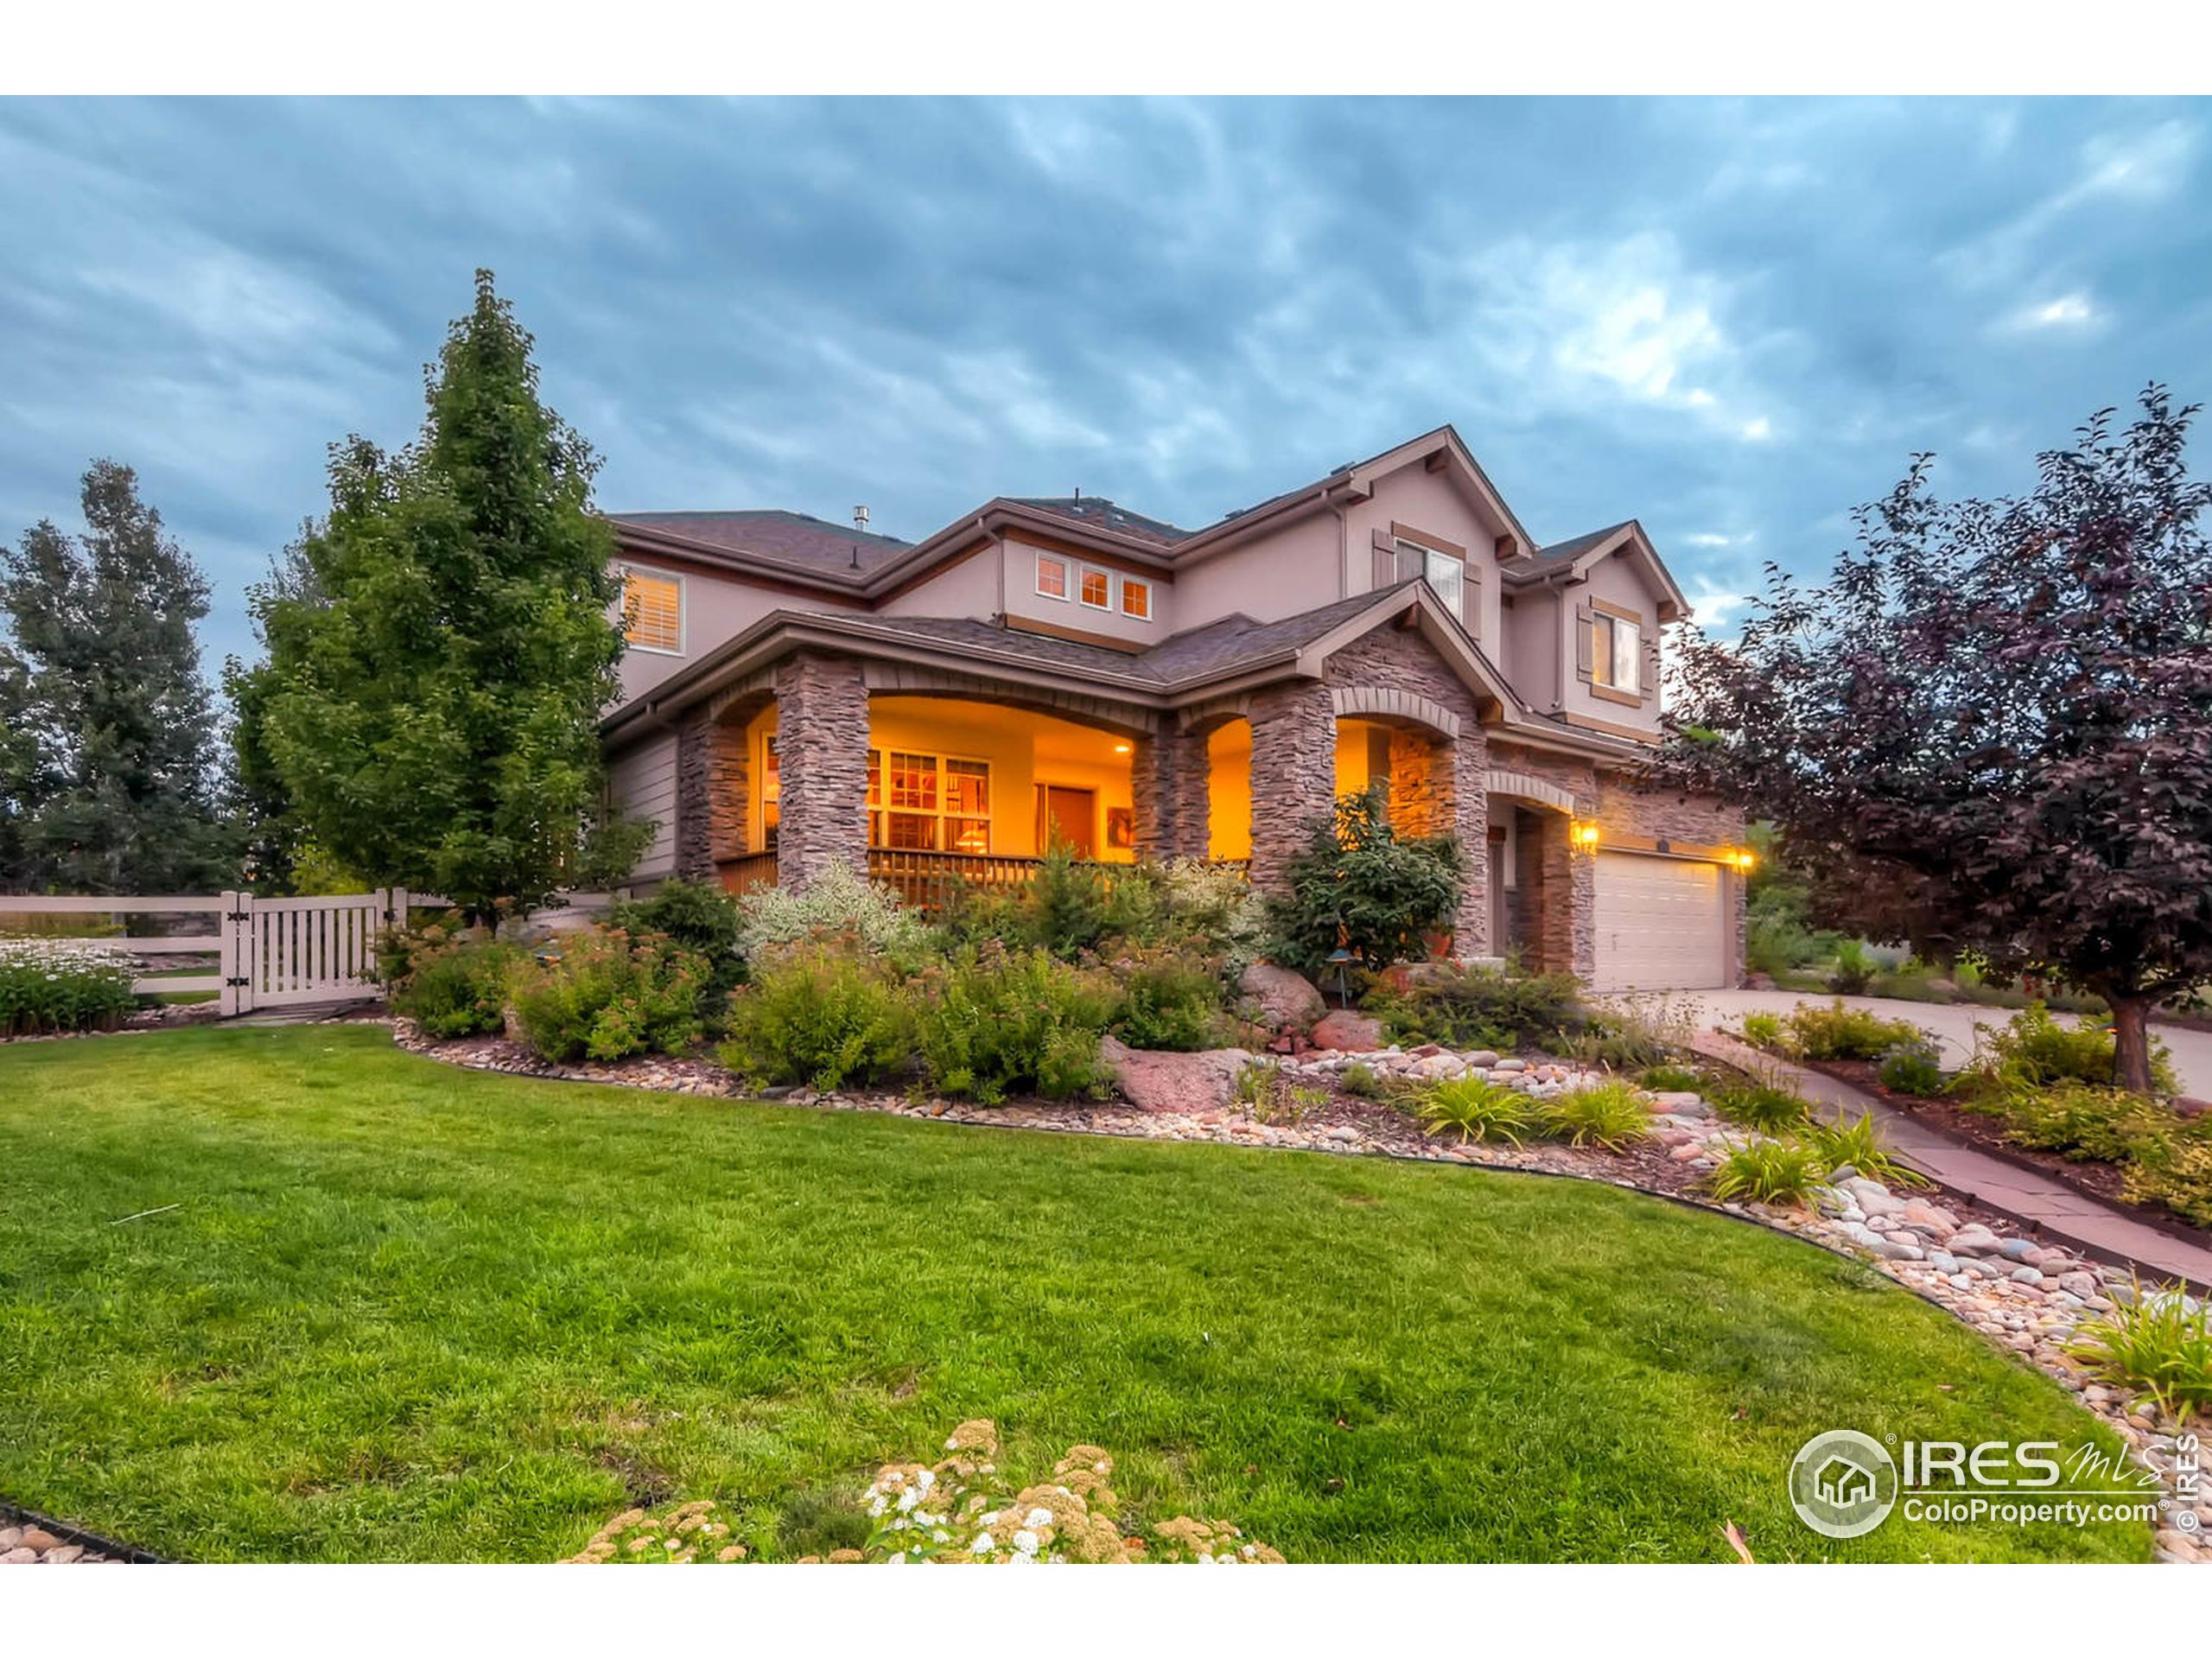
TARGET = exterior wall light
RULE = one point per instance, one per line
(1743, 859)
(1583, 835)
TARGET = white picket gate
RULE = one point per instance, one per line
(269, 953)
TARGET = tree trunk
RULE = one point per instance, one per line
(2130, 1059)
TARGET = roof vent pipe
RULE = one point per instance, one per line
(860, 519)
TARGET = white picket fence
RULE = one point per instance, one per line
(268, 952)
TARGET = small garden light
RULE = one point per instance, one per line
(1341, 958)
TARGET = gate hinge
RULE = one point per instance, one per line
(237, 981)
(238, 915)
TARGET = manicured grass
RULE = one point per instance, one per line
(408, 1312)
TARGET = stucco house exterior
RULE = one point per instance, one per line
(797, 692)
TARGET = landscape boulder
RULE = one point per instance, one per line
(1348, 1032)
(1287, 1001)
(1154, 1080)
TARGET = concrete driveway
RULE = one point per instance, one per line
(1951, 1024)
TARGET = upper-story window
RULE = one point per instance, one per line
(1617, 653)
(1445, 575)
(652, 611)
(1051, 576)
(1136, 599)
(1097, 589)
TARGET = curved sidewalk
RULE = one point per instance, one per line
(2034, 1200)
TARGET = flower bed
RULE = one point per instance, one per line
(57, 985)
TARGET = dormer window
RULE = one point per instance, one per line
(1136, 599)
(1097, 589)
(1051, 576)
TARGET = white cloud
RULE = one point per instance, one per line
(2136, 168)
(1756, 430)
(2073, 310)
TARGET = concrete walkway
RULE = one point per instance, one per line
(2033, 1200)
(1951, 1023)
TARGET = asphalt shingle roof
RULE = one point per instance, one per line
(798, 539)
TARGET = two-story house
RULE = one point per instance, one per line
(796, 692)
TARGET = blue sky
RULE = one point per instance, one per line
(1733, 320)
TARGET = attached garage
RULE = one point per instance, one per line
(1662, 923)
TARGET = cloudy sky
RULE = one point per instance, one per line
(1732, 320)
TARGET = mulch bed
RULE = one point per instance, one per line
(1986, 1133)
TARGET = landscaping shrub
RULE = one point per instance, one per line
(1611, 1115)
(1853, 970)
(1170, 998)
(1635, 1032)
(1836, 1032)
(1858, 1143)
(2154, 1344)
(1475, 1109)
(62, 984)
(992, 1022)
(607, 995)
(2085, 1122)
(1360, 1080)
(1770, 1172)
(1912, 1068)
(1766, 1107)
(1360, 886)
(2035, 1048)
(1764, 1031)
(1906, 987)
(2176, 1172)
(837, 904)
(817, 1014)
(1477, 1008)
(451, 982)
(695, 916)
(1672, 1079)
(1215, 906)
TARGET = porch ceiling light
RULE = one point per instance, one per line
(1121, 748)
(1583, 835)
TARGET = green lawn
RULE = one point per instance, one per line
(408, 1312)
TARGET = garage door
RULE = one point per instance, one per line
(1660, 924)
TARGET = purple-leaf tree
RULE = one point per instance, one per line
(1991, 729)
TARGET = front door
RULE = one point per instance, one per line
(1072, 816)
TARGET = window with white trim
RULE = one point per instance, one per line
(928, 803)
(1136, 599)
(1051, 576)
(1446, 575)
(1096, 589)
(1617, 653)
(652, 612)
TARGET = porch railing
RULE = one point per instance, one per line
(934, 881)
(927, 880)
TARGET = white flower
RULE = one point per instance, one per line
(1026, 1542)
(1040, 1516)
(925, 1479)
(982, 1546)
(877, 1505)
(908, 1499)
(941, 1535)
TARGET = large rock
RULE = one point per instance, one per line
(1287, 1000)
(1348, 1032)
(1152, 1080)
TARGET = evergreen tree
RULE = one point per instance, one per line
(108, 765)
(432, 692)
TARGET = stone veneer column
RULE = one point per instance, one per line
(1570, 914)
(822, 764)
(1161, 767)
(1469, 758)
(729, 790)
(695, 854)
(1294, 776)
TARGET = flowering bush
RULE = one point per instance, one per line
(52, 984)
(817, 1015)
(449, 983)
(837, 903)
(961, 1509)
(992, 1023)
(607, 996)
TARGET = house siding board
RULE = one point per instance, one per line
(1617, 583)
(641, 785)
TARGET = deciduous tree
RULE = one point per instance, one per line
(1992, 727)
